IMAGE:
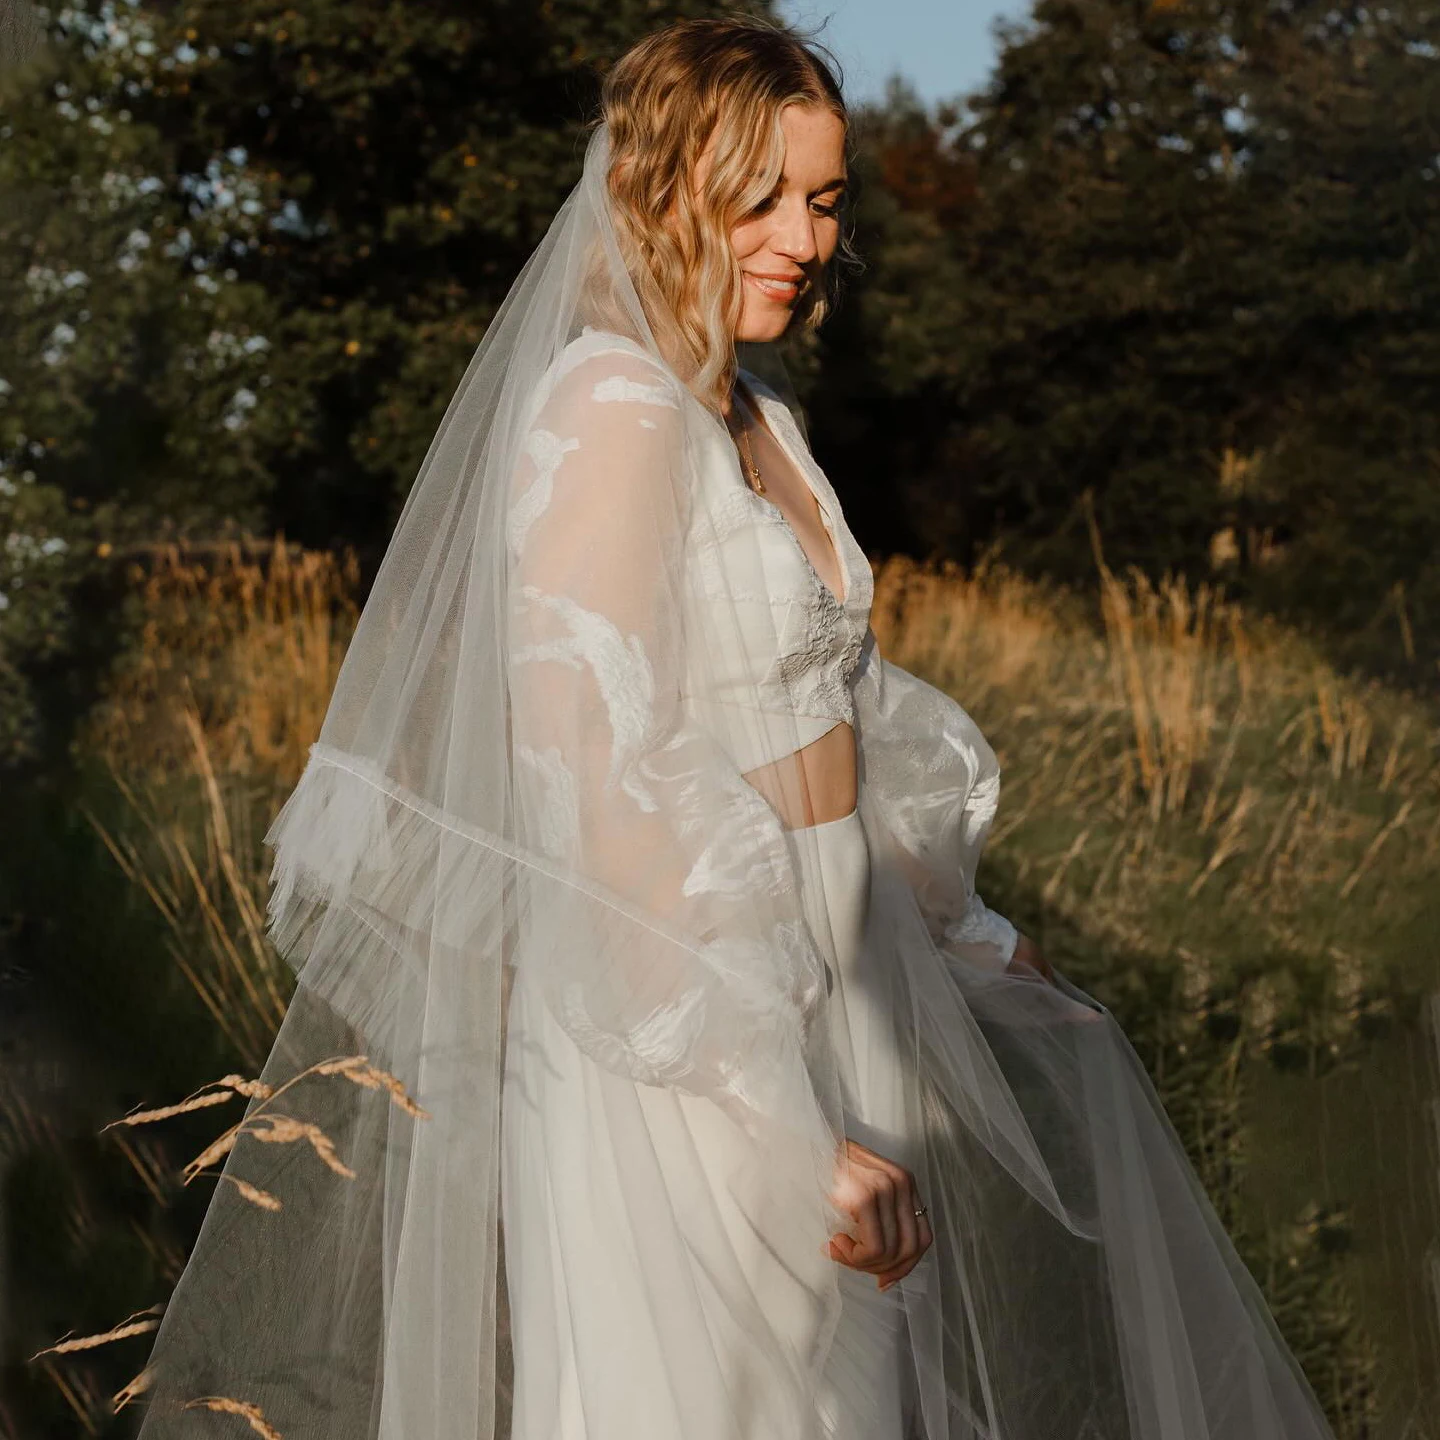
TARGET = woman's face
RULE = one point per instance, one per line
(784, 245)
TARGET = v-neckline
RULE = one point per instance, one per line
(827, 522)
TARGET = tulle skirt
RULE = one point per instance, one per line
(665, 1272)
(625, 1261)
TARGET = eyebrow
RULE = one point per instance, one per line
(840, 182)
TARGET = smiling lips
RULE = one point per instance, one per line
(778, 287)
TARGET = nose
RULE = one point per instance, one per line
(794, 233)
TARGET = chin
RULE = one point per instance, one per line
(761, 327)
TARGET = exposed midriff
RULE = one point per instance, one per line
(815, 784)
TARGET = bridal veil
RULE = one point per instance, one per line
(511, 788)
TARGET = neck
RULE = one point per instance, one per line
(737, 403)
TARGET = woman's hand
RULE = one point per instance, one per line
(1028, 961)
(880, 1197)
(1027, 956)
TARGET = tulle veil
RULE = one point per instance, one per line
(516, 820)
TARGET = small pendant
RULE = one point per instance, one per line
(757, 484)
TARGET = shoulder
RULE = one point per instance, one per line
(611, 411)
(601, 368)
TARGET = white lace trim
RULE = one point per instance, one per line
(622, 388)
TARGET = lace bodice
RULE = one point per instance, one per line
(797, 643)
(685, 638)
(801, 641)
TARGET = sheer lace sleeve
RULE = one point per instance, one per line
(937, 783)
(665, 962)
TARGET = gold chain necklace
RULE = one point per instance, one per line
(752, 470)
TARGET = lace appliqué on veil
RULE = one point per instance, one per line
(655, 1051)
(547, 451)
(622, 674)
(621, 387)
(558, 815)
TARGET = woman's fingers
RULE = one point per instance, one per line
(917, 1236)
(880, 1197)
(870, 1220)
(885, 1191)
(925, 1238)
(906, 1221)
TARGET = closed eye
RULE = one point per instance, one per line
(829, 212)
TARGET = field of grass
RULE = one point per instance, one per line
(1201, 822)
(1238, 850)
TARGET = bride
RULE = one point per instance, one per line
(654, 1068)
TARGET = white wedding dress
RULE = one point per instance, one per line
(580, 1026)
(601, 1352)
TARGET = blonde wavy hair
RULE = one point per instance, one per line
(663, 101)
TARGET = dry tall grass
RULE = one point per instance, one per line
(1179, 774)
(1239, 841)
(268, 1126)
(1179, 778)
(1230, 839)
(1184, 773)
(249, 637)
(204, 728)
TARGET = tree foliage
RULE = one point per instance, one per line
(246, 249)
(1183, 257)
(1179, 258)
